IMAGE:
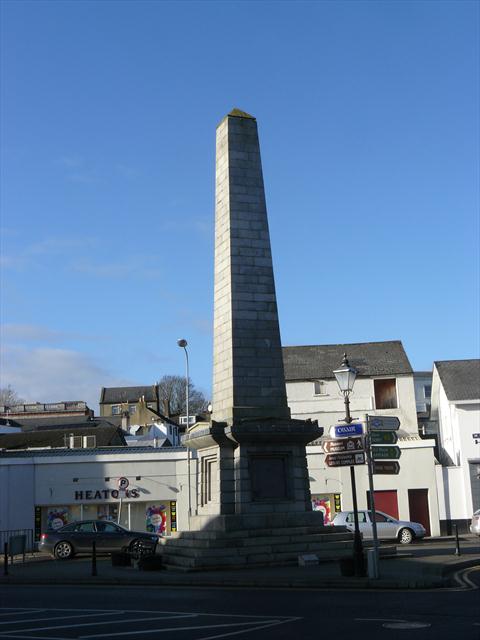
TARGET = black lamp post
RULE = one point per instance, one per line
(345, 376)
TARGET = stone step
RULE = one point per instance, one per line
(279, 558)
(299, 545)
(245, 533)
(251, 537)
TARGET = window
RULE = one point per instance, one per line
(427, 391)
(379, 517)
(385, 393)
(361, 517)
(85, 527)
(132, 408)
(319, 388)
(89, 442)
(115, 409)
(83, 442)
(108, 527)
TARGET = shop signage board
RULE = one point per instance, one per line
(386, 467)
(383, 437)
(384, 423)
(345, 459)
(340, 445)
(346, 430)
(382, 452)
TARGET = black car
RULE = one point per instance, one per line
(109, 537)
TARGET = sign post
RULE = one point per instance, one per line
(123, 484)
(381, 434)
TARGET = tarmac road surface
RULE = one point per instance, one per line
(182, 613)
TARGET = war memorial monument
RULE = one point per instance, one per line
(253, 493)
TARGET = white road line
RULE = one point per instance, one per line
(97, 624)
(203, 626)
(7, 634)
(235, 633)
(76, 615)
(22, 613)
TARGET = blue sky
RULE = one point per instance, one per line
(368, 121)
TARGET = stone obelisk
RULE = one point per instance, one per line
(252, 455)
(253, 502)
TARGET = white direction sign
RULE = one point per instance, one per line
(384, 423)
(341, 445)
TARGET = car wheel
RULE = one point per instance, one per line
(63, 550)
(137, 549)
(405, 536)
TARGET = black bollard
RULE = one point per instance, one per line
(5, 559)
(457, 541)
(94, 559)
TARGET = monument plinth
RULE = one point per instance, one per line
(251, 456)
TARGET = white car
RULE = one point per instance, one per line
(388, 528)
(475, 525)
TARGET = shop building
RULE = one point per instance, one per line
(41, 489)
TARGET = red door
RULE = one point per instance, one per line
(418, 505)
(386, 501)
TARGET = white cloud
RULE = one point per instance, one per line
(19, 333)
(54, 375)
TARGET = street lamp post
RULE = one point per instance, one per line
(182, 343)
(345, 376)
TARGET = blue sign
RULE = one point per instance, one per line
(345, 430)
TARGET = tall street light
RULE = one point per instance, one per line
(182, 343)
(345, 376)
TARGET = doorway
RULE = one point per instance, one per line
(385, 501)
(418, 505)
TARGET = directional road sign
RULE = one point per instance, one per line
(346, 430)
(340, 445)
(384, 423)
(386, 453)
(387, 467)
(383, 437)
(344, 459)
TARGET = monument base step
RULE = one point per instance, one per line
(194, 551)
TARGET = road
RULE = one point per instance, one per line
(204, 613)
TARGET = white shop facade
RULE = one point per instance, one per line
(49, 488)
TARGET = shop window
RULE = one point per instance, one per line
(385, 393)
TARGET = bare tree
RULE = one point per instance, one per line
(173, 396)
(9, 397)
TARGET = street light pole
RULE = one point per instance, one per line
(345, 376)
(183, 344)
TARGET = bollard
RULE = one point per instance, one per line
(457, 541)
(5, 559)
(94, 559)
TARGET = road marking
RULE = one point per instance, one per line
(235, 633)
(98, 624)
(20, 613)
(195, 628)
(76, 615)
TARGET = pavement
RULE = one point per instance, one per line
(429, 564)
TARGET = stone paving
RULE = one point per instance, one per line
(427, 565)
